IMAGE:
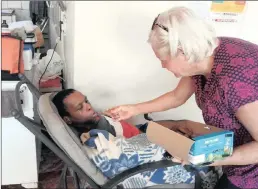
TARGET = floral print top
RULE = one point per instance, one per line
(233, 82)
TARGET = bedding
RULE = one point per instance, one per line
(113, 155)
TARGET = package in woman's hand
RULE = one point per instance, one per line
(212, 143)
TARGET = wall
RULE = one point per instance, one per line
(22, 11)
(68, 45)
(247, 28)
(113, 64)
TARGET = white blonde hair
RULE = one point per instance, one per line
(186, 31)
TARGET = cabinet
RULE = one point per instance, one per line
(19, 154)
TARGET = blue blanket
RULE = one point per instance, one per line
(113, 155)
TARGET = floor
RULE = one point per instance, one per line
(49, 172)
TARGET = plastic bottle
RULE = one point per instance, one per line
(5, 27)
(27, 57)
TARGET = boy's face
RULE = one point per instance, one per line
(79, 108)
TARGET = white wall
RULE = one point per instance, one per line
(247, 28)
(22, 11)
(68, 45)
(113, 64)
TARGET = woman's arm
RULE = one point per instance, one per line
(248, 153)
(172, 99)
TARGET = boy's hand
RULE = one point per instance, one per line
(84, 137)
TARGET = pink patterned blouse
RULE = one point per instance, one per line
(233, 82)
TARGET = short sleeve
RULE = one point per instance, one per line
(241, 85)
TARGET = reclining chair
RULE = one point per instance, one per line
(66, 145)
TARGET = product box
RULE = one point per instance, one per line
(211, 144)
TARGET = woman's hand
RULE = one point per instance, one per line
(187, 132)
(179, 127)
(122, 112)
(184, 130)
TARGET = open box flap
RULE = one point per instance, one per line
(175, 144)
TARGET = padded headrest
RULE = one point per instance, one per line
(66, 139)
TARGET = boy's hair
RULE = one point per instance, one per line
(58, 101)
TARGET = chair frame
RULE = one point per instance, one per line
(36, 128)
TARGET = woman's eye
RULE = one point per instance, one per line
(80, 108)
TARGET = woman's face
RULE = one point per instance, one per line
(178, 65)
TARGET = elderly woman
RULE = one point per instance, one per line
(222, 72)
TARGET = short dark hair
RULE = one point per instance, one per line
(58, 101)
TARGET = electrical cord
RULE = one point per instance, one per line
(48, 64)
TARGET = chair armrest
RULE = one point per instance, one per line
(147, 117)
(24, 80)
(32, 88)
(53, 147)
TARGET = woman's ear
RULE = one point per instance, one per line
(67, 120)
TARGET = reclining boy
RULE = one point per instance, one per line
(117, 154)
(77, 112)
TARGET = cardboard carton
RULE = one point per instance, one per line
(211, 144)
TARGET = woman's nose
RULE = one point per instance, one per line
(163, 64)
